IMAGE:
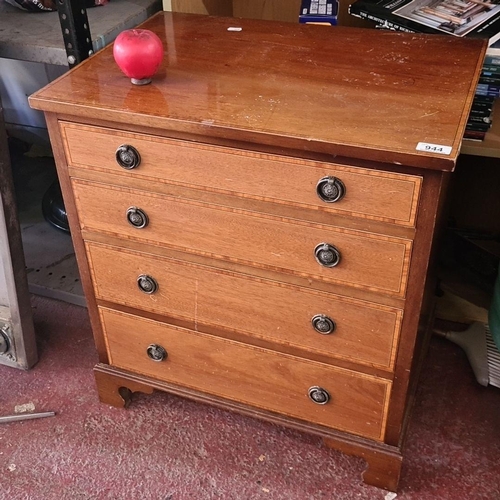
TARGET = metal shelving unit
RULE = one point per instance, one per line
(75, 30)
(49, 254)
(35, 37)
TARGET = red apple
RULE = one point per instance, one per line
(138, 54)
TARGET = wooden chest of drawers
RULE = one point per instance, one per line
(254, 228)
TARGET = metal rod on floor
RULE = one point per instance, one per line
(26, 416)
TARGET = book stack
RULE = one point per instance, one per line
(461, 18)
(488, 90)
(480, 119)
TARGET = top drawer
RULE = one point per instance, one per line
(368, 194)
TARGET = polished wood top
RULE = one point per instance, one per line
(343, 91)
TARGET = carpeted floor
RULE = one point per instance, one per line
(167, 448)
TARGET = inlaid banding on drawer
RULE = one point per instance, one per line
(363, 332)
(370, 194)
(247, 374)
(369, 261)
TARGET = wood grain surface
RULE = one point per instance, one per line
(344, 91)
(364, 332)
(367, 260)
(371, 194)
(242, 373)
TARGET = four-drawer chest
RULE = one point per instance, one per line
(254, 228)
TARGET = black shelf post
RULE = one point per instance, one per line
(78, 44)
(75, 30)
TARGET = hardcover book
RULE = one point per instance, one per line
(461, 18)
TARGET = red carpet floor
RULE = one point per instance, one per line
(167, 448)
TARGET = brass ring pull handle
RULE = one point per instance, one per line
(128, 157)
(318, 395)
(330, 189)
(147, 284)
(323, 324)
(156, 352)
(137, 217)
(327, 255)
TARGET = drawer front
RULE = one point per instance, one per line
(249, 375)
(361, 331)
(368, 193)
(369, 261)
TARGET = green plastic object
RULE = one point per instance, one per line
(494, 313)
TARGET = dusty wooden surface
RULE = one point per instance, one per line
(364, 94)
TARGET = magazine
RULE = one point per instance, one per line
(461, 18)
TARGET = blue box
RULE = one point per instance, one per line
(319, 12)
